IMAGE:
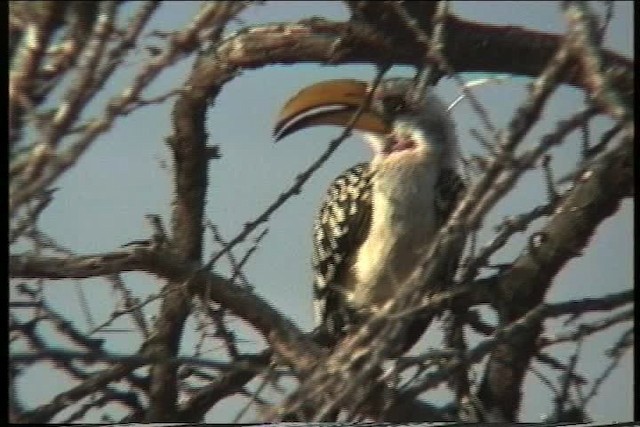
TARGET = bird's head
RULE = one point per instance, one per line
(396, 121)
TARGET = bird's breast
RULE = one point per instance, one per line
(402, 226)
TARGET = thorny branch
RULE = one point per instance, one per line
(349, 377)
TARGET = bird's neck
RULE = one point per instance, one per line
(403, 185)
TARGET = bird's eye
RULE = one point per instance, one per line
(394, 104)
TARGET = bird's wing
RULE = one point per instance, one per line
(340, 228)
(453, 190)
(450, 190)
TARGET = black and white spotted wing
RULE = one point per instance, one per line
(341, 226)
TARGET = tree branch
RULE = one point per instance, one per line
(596, 196)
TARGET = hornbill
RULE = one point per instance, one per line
(378, 218)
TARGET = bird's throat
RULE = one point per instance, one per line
(396, 143)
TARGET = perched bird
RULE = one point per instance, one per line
(378, 218)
